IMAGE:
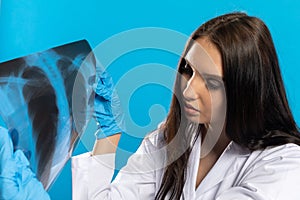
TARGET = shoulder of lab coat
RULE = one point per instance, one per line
(91, 175)
(273, 173)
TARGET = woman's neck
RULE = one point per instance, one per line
(213, 143)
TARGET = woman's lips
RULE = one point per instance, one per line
(190, 110)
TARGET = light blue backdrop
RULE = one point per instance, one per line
(28, 26)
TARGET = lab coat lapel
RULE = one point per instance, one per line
(227, 164)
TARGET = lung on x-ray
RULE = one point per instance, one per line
(46, 101)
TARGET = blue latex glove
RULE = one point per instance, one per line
(107, 106)
(17, 181)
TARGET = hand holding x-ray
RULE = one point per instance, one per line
(17, 181)
(107, 106)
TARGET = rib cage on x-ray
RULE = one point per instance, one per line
(36, 100)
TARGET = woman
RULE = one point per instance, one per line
(229, 134)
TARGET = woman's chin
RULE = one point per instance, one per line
(196, 119)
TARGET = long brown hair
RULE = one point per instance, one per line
(258, 114)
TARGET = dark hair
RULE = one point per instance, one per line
(258, 114)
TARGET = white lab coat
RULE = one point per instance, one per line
(273, 173)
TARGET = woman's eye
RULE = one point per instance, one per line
(213, 84)
(186, 69)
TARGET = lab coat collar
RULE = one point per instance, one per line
(230, 160)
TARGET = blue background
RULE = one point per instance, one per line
(28, 26)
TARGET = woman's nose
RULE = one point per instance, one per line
(194, 88)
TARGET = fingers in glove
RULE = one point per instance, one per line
(14, 135)
(6, 146)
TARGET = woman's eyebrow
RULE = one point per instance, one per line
(214, 76)
(206, 75)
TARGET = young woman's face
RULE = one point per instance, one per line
(201, 84)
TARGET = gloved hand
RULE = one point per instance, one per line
(17, 181)
(107, 106)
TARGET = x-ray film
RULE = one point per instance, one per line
(46, 102)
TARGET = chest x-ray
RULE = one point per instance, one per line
(47, 99)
